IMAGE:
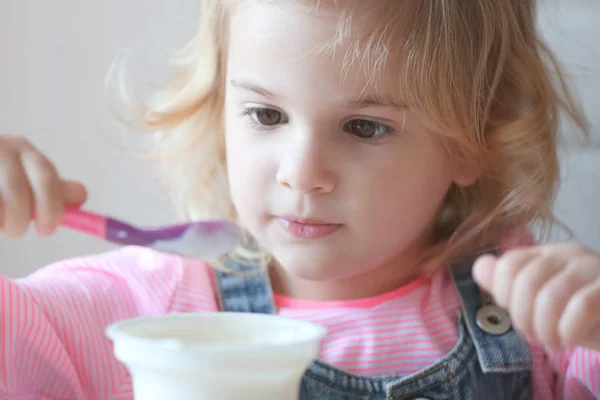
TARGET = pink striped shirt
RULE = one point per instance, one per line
(52, 343)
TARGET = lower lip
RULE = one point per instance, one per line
(307, 230)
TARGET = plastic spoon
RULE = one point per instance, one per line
(203, 239)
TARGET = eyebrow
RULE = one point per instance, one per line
(251, 87)
(364, 102)
(375, 101)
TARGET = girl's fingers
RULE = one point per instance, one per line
(30, 187)
(580, 321)
(483, 271)
(74, 193)
(506, 269)
(553, 298)
(16, 195)
(47, 191)
(526, 287)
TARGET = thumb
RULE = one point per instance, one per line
(483, 271)
(75, 194)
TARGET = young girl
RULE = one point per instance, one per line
(375, 150)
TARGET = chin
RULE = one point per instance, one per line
(312, 267)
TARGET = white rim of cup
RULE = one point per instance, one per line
(117, 333)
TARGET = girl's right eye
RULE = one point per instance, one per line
(266, 117)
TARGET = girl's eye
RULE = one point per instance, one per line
(365, 129)
(265, 116)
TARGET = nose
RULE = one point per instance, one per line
(305, 166)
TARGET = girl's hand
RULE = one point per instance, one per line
(30, 185)
(552, 293)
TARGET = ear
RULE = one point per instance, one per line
(465, 173)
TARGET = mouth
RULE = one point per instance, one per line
(307, 228)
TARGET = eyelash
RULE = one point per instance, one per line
(251, 112)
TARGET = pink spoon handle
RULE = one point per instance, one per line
(200, 239)
(86, 222)
(120, 232)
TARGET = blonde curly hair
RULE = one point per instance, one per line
(476, 72)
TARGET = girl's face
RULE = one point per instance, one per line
(341, 189)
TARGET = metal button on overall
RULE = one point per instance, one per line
(493, 320)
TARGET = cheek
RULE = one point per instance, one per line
(249, 167)
(237, 162)
(404, 194)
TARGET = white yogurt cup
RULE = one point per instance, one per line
(216, 356)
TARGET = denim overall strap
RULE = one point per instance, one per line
(480, 366)
(244, 286)
(501, 353)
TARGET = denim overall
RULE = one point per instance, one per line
(489, 361)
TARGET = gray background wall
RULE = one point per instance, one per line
(55, 55)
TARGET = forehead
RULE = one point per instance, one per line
(344, 46)
(283, 33)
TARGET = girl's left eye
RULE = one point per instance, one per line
(365, 129)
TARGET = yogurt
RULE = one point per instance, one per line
(212, 356)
